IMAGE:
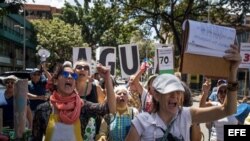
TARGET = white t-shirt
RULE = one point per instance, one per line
(217, 131)
(149, 126)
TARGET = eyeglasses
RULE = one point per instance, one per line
(66, 74)
(9, 82)
(80, 67)
(222, 91)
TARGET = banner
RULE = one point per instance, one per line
(129, 59)
(107, 57)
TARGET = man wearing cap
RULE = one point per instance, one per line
(213, 95)
(8, 105)
(37, 86)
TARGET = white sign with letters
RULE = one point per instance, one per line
(129, 59)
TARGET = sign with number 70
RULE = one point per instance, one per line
(165, 59)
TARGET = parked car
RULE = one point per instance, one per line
(19, 74)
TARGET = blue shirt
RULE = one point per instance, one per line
(38, 89)
(213, 96)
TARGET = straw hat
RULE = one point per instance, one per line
(10, 77)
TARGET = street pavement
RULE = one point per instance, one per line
(204, 130)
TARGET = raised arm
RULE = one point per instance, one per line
(200, 115)
(136, 80)
(105, 73)
(204, 94)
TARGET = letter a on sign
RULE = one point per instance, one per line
(107, 57)
(129, 59)
(82, 53)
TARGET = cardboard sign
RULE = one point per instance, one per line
(203, 48)
(107, 57)
(129, 59)
(245, 54)
(165, 60)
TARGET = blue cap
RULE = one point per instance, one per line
(243, 110)
(35, 70)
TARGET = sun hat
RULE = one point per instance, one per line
(243, 110)
(149, 79)
(167, 83)
(10, 77)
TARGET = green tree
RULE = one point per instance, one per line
(58, 37)
(102, 24)
(167, 16)
(12, 7)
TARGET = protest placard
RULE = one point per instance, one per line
(165, 60)
(204, 45)
(245, 54)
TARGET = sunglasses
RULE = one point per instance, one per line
(222, 91)
(80, 67)
(9, 82)
(66, 74)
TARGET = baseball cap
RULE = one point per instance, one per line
(221, 81)
(243, 110)
(167, 83)
(221, 86)
(35, 70)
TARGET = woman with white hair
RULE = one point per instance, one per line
(117, 128)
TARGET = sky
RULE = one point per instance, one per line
(54, 3)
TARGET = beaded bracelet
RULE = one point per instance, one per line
(232, 86)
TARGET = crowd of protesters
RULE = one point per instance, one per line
(69, 104)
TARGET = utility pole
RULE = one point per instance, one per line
(24, 36)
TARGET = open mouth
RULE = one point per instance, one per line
(67, 84)
(121, 100)
(172, 104)
(82, 75)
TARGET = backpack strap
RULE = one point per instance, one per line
(131, 112)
